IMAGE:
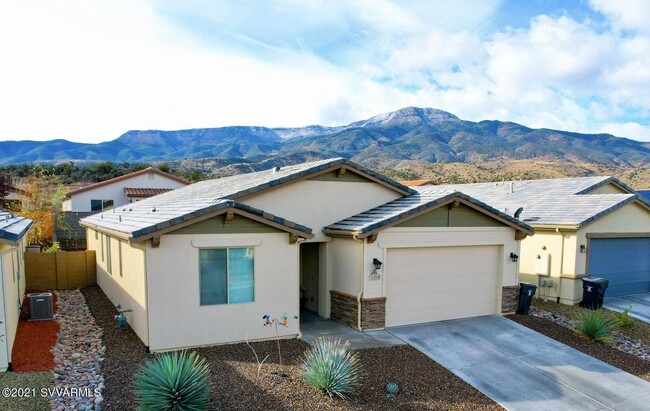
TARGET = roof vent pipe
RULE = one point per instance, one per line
(518, 212)
(512, 187)
(276, 169)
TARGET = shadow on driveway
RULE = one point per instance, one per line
(524, 370)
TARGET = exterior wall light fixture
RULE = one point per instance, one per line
(376, 263)
(583, 248)
(514, 257)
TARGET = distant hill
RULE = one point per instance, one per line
(410, 134)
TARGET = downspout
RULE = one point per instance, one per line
(355, 237)
(559, 281)
(298, 242)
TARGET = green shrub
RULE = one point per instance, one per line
(330, 365)
(596, 325)
(173, 382)
(623, 319)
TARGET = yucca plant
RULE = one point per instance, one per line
(330, 365)
(596, 325)
(173, 382)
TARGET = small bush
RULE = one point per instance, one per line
(596, 325)
(173, 382)
(623, 319)
(330, 365)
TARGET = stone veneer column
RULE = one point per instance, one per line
(510, 299)
(373, 313)
(344, 308)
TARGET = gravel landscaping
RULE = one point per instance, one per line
(625, 353)
(425, 385)
(33, 380)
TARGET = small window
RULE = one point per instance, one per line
(100, 205)
(227, 276)
(119, 257)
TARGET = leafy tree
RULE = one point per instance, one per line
(5, 186)
(43, 206)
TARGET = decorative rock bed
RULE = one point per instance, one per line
(78, 353)
(621, 342)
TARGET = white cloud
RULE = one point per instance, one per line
(89, 71)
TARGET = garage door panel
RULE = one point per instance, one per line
(440, 283)
(625, 262)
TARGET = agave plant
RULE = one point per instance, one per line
(330, 365)
(173, 382)
(596, 325)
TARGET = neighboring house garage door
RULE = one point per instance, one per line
(440, 283)
(625, 262)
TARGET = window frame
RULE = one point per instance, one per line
(201, 304)
(104, 205)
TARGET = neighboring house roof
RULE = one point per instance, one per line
(551, 202)
(191, 202)
(416, 183)
(394, 212)
(126, 177)
(13, 227)
(144, 192)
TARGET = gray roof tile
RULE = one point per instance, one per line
(401, 208)
(548, 202)
(13, 227)
(137, 219)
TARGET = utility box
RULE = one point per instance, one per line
(40, 306)
(543, 264)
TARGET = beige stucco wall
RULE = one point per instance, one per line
(345, 259)
(12, 273)
(561, 247)
(177, 319)
(115, 191)
(608, 189)
(395, 237)
(126, 286)
(317, 204)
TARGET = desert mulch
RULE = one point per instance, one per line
(626, 362)
(34, 341)
(424, 384)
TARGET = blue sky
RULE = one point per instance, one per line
(89, 71)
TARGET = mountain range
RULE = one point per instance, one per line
(416, 134)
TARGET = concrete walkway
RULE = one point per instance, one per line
(640, 306)
(524, 370)
(312, 326)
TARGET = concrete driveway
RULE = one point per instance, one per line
(524, 370)
(640, 305)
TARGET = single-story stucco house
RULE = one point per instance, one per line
(202, 264)
(584, 226)
(13, 230)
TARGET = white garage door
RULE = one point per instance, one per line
(441, 283)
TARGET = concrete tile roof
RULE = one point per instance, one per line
(394, 211)
(140, 220)
(549, 202)
(13, 227)
(192, 201)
